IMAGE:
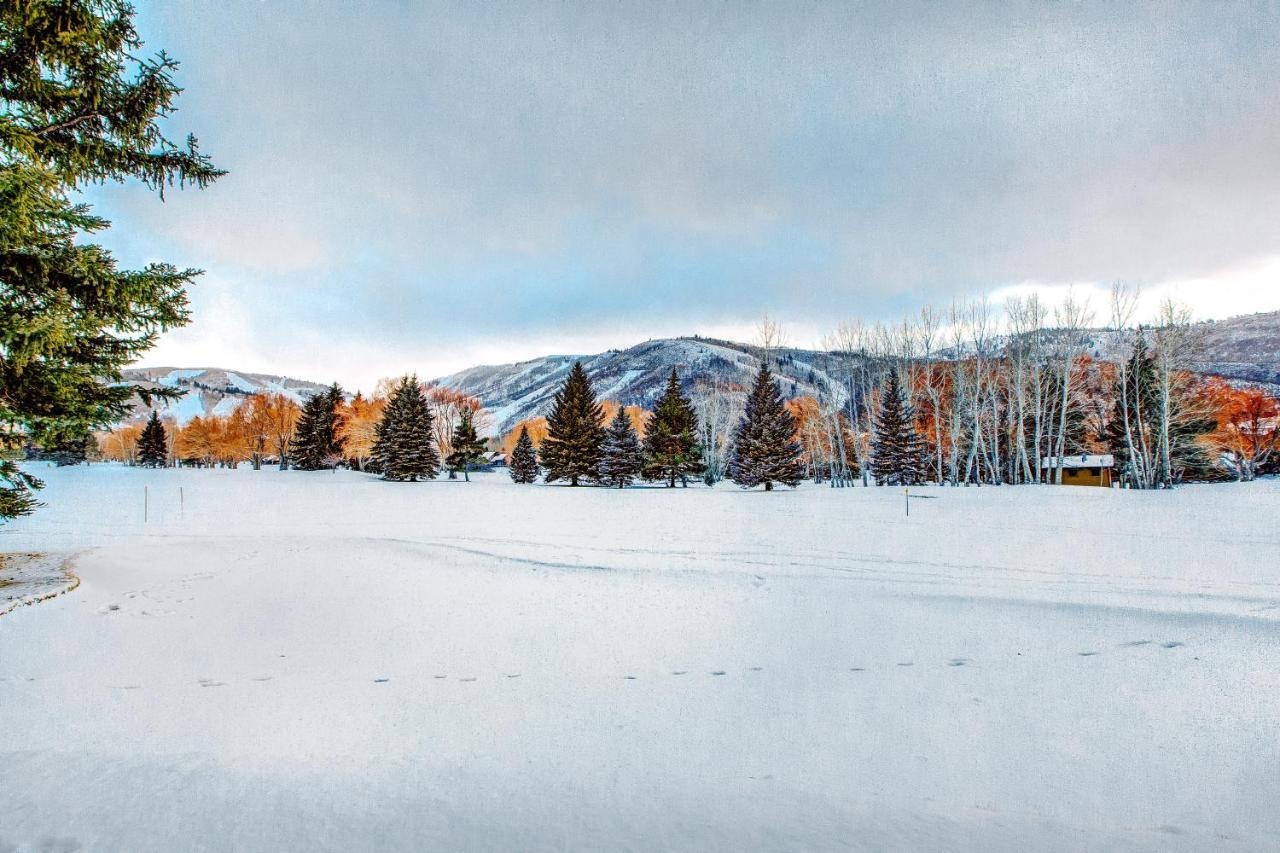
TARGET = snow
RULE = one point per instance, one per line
(32, 578)
(173, 376)
(288, 660)
(1083, 460)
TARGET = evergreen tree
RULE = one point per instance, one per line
(402, 449)
(621, 460)
(153, 444)
(671, 449)
(897, 451)
(571, 450)
(317, 441)
(764, 446)
(81, 105)
(468, 448)
(62, 450)
(524, 459)
(1133, 432)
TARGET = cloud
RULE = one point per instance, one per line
(421, 177)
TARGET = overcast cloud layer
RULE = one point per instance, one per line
(424, 187)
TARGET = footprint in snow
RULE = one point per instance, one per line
(1133, 644)
(957, 662)
(208, 682)
(1172, 644)
(718, 672)
(1086, 654)
(629, 677)
(512, 674)
(265, 678)
(466, 679)
(439, 677)
(681, 672)
(856, 669)
(756, 668)
(381, 680)
(907, 663)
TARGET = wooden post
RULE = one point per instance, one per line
(907, 493)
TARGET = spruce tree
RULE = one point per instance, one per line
(671, 449)
(317, 442)
(765, 449)
(82, 105)
(571, 450)
(403, 449)
(468, 448)
(897, 451)
(1137, 402)
(524, 459)
(620, 460)
(153, 444)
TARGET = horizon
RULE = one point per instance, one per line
(744, 340)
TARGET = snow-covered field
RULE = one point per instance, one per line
(298, 661)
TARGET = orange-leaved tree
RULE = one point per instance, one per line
(1248, 431)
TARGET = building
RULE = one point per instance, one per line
(1082, 470)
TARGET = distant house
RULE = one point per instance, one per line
(495, 459)
(1082, 470)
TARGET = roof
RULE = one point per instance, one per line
(1083, 460)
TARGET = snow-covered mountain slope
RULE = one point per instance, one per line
(210, 390)
(637, 375)
(1245, 347)
(1241, 348)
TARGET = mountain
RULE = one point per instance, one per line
(637, 375)
(1244, 348)
(210, 390)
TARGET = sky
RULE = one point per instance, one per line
(427, 186)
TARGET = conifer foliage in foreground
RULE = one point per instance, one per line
(82, 104)
(764, 446)
(671, 449)
(468, 448)
(897, 451)
(571, 450)
(316, 442)
(403, 449)
(524, 459)
(621, 460)
(153, 445)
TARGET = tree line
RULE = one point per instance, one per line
(907, 412)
